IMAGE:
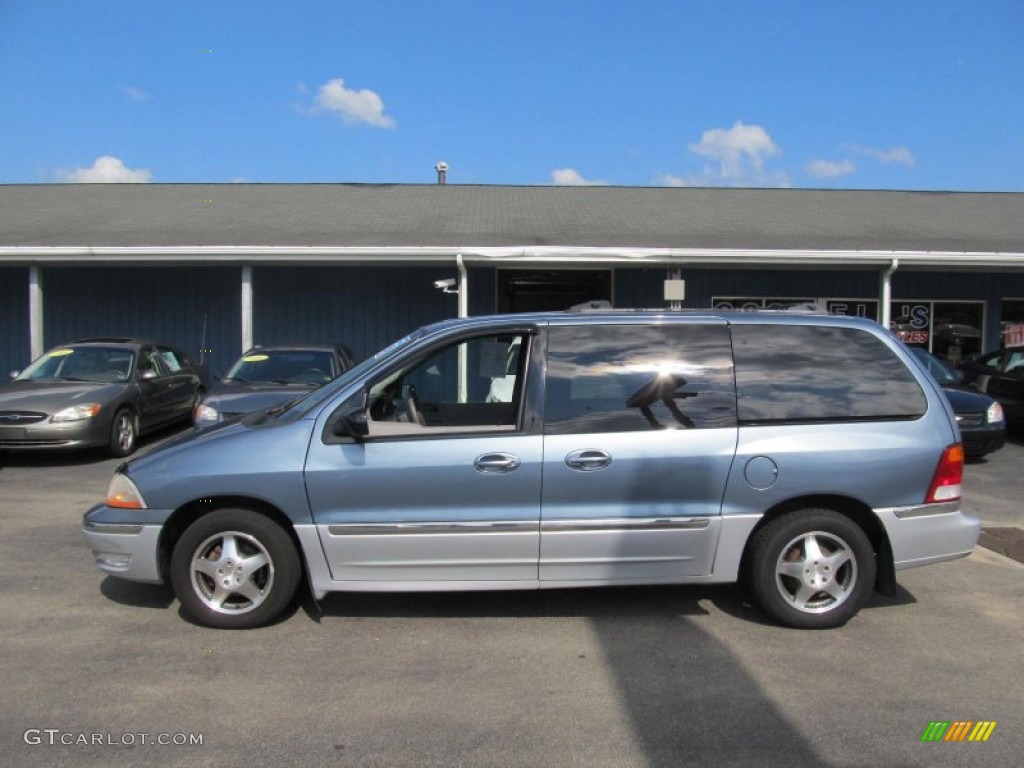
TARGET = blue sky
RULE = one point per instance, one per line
(874, 95)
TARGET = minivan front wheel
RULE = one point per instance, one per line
(235, 569)
(811, 569)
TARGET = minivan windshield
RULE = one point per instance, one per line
(296, 409)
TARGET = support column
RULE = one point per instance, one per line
(246, 307)
(35, 312)
(463, 312)
(885, 294)
(463, 287)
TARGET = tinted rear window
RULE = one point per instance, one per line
(812, 373)
(632, 378)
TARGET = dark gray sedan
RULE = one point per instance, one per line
(266, 376)
(98, 393)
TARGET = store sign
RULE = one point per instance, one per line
(1014, 335)
(911, 323)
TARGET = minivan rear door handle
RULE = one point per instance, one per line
(588, 460)
(496, 463)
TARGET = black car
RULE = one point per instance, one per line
(1000, 375)
(98, 392)
(980, 418)
(266, 376)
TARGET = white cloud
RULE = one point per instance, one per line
(829, 169)
(668, 180)
(898, 155)
(738, 151)
(136, 94)
(106, 170)
(363, 106)
(568, 177)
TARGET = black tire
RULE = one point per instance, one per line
(258, 580)
(124, 434)
(817, 589)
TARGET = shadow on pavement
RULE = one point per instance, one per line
(138, 595)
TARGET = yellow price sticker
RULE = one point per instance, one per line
(255, 358)
(62, 352)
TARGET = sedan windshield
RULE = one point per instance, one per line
(295, 409)
(81, 363)
(284, 366)
(935, 366)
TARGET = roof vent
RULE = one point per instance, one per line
(442, 172)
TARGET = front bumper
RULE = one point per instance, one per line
(978, 442)
(46, 435)
(929, 533)
(128, 549)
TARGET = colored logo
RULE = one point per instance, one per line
(958, 730)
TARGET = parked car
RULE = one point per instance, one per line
(1000, 375)
(98, 392)
(805, 455)
(267, 376)
(980, 418)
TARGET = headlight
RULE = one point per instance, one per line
(77, 412)
(994, 414)
(122, 493)
(205, 413)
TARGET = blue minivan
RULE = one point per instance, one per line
(809, 457)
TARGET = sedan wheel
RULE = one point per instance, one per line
(124, 434)
(235, 569)
(811, 569)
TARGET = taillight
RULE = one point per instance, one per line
(949, 474)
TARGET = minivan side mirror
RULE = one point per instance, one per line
(14, 375)
(351, 423)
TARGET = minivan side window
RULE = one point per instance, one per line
(635, 378)
(808, 373)
(470, 386)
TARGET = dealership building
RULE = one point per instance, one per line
(217, 268)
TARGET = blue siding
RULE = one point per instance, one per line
(165, 303)
(365, 308)
(483, 298)
(645, 287)
(14, 339)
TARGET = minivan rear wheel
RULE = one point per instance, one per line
(235, 569)
(811, 569)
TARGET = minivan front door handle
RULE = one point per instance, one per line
(496, 463)
(588, 460)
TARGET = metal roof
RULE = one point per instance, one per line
(82, 219)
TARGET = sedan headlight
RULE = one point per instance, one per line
(994, 414)
(122, 493)
(205, 414)
(77, 412)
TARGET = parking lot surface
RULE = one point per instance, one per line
(98, 671)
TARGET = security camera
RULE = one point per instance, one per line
(443, 285)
